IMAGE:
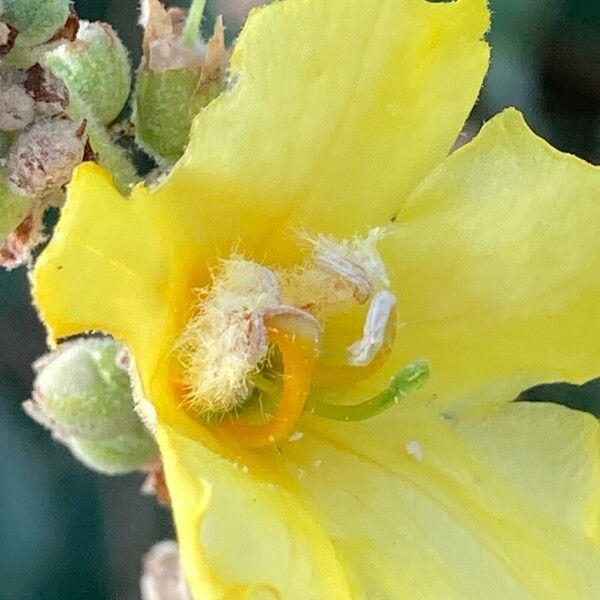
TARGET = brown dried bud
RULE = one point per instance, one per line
(16, 248)
(17, 108)
(43, 157)
(8, 36)
(48, 91)
(163, 578)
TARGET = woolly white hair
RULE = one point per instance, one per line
(338, 271)
(226, 340)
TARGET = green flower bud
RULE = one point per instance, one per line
(84, 391)
(13, 208)
(95, 68)
(118, 455)
(36, 20)
(178, 78)
(164, 107)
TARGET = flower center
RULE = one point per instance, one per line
(251, 350)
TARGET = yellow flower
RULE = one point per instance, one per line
(340, 118)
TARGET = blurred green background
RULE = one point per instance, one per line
(66, 533)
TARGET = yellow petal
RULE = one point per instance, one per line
(95, 272)
(109, 268)
(339, 108)
(495, 503)
(494, 263)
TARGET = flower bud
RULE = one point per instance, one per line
(36, 20)
(42, 158)
(95, 68)
(17, 107)
(117, 455)
(85, 391)
(176, 80)
(165, 105)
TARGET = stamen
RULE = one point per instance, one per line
(225, 349)
(224, 343)
(408, 379)
(375, 330)
(298, 340)
(356, 262)
(341, 266)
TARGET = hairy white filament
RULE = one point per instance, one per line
(226, 340)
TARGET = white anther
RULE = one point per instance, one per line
(356, 262)
(338, 272)
(344, 267)
(381, 309)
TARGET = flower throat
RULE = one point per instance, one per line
(252, 350)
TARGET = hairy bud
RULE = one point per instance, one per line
(95, 68)
(82, 393)
(17, 108)
(118, 455)
(176, 80)
(85, 391)
(43, 157)
(165, 104)
(36, 20)
(13, 208)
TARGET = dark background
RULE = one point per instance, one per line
(66, 533)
